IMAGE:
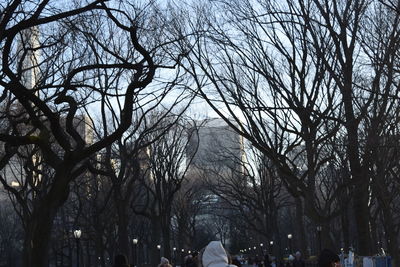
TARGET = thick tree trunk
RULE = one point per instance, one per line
(37, 236)
(39, 223)
(166, 234)
(302, 241)
(359, 176)
(123, 234)
(345, 228)
(361, 213)
(155, 240)
(166, 238)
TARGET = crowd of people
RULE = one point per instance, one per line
(215, 255)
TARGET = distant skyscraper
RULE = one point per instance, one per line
(219, 146)
(28, 53)
(28, 61)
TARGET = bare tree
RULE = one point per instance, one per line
(348, 36)
(296, 76)
(259, 72)
(187, 206)
(167, 166)
(54, 60)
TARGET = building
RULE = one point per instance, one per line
(216, 145)
(216, 151)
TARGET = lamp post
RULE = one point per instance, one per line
(182, 257)
(289, 236)
(262, 249)
(159, 250)
(319, 231)
(271, 246)
(134, 252)
(174, 254)
(77, 235)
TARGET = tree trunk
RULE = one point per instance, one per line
(123, 235)
(360, 178)
(361, 213)
(166, 234)
(37, 235)
(167, 246)
(345, 228)
(155, 240)
(301, 238)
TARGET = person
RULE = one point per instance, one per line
(164, 262)
(214, 255)
(273, 261)
(328, 258)
(120, 261)
(190, 261)
(236, 261)
(289, 263)
(298, 261)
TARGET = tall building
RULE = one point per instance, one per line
(27, 64)
(28, 60)
(218, 146)
(216, 151)
(28, 55)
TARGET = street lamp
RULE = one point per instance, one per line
(182, 257)
(77, 235)
(319, 230)
(174, 254)
(271, 246)
(289, 236)
(159, 250)
(134, 254)
(262, 250)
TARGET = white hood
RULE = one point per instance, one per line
(214, 255)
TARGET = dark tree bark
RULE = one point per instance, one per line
(48, 80)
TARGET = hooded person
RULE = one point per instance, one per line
(164, 262)
(214, 255)
(298, 261)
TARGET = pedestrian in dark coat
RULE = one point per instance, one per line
(298, 261)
